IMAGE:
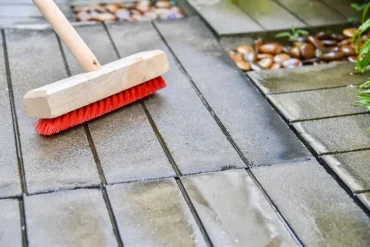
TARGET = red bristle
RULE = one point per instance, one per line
(96, 109)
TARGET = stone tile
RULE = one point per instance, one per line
(10, 227)
(16, 21)
(234, 211)
(316, 207)
(313, 12)
(343, 7)
(352, 168)
(28, 10)
(336, 134)
(186, 7)
(9, 174)
(191, 134)
(225, 17)
(51, 163)
(126, 144)
(153, 214)
(257, 129)
(307, 78)
(317, 103)
(69, 218)
(365, 199)
(270, 15)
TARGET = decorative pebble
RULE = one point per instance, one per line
(235, 56)
(105, 17)
(295, 52)
(163, 4)
(280, 58)
(250, 57)
(123, 14)
(256, 67)
(83, 16)
(292, 63)
(112, 7)
(333, 56)
(143, 6)
(265, 62)
(243, 49)
(352, 59)
(316, 42)
(329, 42)
(272, 48)
(307, 50)
(348, 50)
(245, 66)
(262, 56)
(275, 66)
(349, 32)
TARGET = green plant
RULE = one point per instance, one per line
(293, 35)
(359, 7)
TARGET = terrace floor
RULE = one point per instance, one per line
(216, 158)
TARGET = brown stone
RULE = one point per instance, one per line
(123, 14)
(275, 66)
(311, 60)
(256, 67)
(143, 6)
(266, 62)
(365, 37)
(333, 56)
(337, 37)
(96, 7)
(292, 63)
(257, 45)
(78, 9)
(235, 56)
(163, 4)
(349, 32)
(316, 42)
(250, 57)
(263, 55)
(151, 15)
(128, 5)
(112, 7)
(245, 66)
(294, 52)
(345, 42)
(352, 59)
(323, 35)
(348, 50)
(243, 49)
(285, 49)
(307, 50)
(332, 48)
(329, 42)
(105, 17)
(176, 9)
(280, 58)
(83, 16)
(272, 48)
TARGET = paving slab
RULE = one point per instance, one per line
(69, 218)
(317, 104)
(9, 174)
(352, 168)
(343, 7)
(313, 12)
(126, 144)
(307, 78)
(225, 17)
(28, 10)
(256, 128)
(270, 15)
(319, 211)
(234, 211)
(365, 199)
(193, 137)
(153, 214)
(10, 227)
(51, 163)
(336, 134)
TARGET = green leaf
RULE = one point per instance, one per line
(364, 12)
(302, 32)
(356, 6)
(282, 35)
(364, 26)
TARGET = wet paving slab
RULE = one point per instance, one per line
(10, 227)
(234, 211)
(352, 168)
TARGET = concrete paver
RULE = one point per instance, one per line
(259, 131)
(153, 214)
(234, 211)
(336, 134)
(50, 163)
(365, 199)
(10, 226)
(352, 168)
(69, 218)
(9, 174)
(319, 211)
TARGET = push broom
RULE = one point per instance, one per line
(72, 101)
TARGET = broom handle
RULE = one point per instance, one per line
(68, 34)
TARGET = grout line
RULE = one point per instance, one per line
(17, 138)
(228, 136)
(103, 180)
(193, 211)
(337, 11)
(291, 12)
(343, 152)
(169, 157)
(302, 90)
(329, 117)
(23, 222)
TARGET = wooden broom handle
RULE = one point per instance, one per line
(68, 34)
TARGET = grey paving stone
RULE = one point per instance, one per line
(51, 163)
(225, 17)
(234, 211)
(186, 7)
(307, 78)
(193, 137)
(153, 214)
(15, 21)
(317, 103)
(9, 174)
(270, 15)
(315, 206)
(343, 7)
(336, 134)
(28, 10)
(10, 227)
(352, 168)
(126, 144)
(69, 218)
(365, 199)
(313, 12)
(257, 129)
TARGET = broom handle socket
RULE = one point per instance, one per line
(68, 34)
